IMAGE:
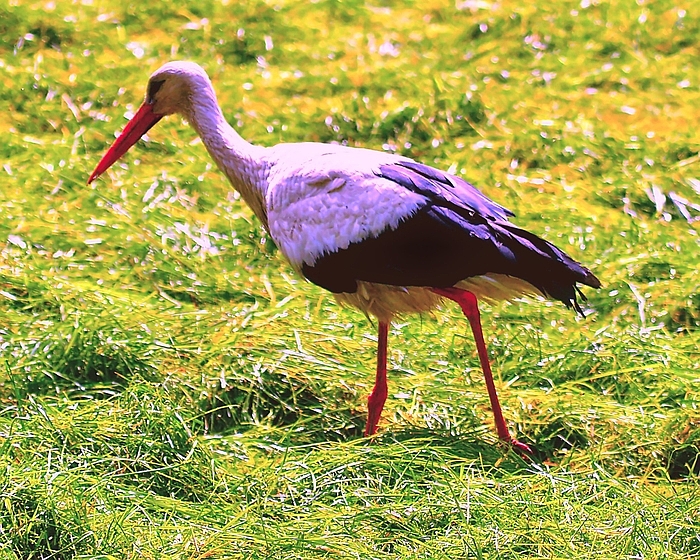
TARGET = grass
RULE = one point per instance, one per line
(170, 389)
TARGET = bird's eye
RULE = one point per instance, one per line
(153, 88)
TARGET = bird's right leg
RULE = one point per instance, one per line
(468, 302)
(377, 398)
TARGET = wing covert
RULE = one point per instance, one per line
(443, 189)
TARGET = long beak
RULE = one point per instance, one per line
(142, 122)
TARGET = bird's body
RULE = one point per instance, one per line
(384, 233)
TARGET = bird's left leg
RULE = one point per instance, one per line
(377, 398)
(468, 302)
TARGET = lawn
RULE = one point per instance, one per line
(169, 388)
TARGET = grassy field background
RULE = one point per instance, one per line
(170, 389)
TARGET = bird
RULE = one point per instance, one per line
(382, 232)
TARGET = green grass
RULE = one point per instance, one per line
(170, 389)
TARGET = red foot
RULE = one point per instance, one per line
(375, 404)
(377, 398)
(523, 449)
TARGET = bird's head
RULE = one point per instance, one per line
(170, 87)
(169, 91)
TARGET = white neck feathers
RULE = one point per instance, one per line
(244, 164)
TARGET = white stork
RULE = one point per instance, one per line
(381, 231)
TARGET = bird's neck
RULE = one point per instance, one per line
(244, 164)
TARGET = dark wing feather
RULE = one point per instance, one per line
(443, 189)
(434, 247)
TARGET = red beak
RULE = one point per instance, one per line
(142, 122)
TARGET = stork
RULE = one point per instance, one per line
(382, 232)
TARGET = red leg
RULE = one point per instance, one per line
(377, 398)
(468, 302)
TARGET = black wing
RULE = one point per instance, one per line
(459, 233)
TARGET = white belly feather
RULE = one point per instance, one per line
(384, 302)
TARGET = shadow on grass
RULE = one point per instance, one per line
(301, 408)
(682, 451)
(95, 358)
(304, 406)
(484, 450)
(41, 530)
(683, 461)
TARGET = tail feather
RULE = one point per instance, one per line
(545, 266)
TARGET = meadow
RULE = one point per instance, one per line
(169, 388)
